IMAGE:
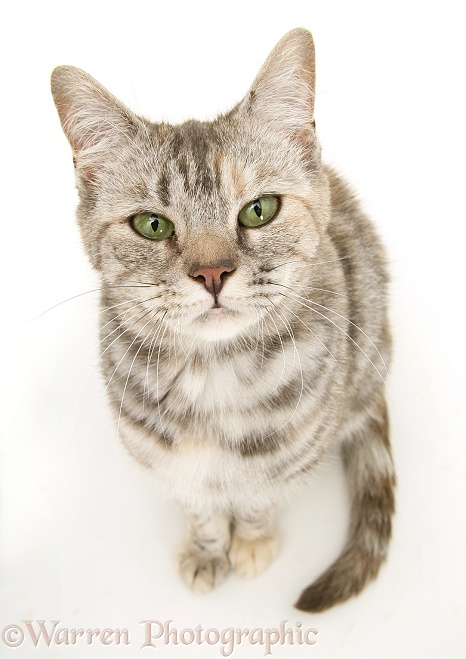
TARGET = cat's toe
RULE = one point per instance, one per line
(202, 574)
(250, 558)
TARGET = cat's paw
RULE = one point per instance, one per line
(202, 574)
(250, 558)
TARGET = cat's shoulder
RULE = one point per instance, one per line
(351, 230)
(342, 196)
(347, 212)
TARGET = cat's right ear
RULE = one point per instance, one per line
(93, 120)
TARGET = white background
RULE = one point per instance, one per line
(85, 540)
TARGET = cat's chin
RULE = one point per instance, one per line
(219, 324)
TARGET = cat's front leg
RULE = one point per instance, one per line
(254, 543)
(203, 559)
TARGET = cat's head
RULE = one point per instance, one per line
(204, 213)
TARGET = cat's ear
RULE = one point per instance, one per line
(282, 95)
(94, 121)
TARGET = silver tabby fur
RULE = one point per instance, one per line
(232, 401)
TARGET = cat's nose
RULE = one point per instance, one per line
(213, 278)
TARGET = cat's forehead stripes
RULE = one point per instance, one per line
(189, 152)
(163, 187)
(195, 159)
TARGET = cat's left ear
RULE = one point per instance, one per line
(94, 121)
(282, 95)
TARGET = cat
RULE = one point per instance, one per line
(245, 329)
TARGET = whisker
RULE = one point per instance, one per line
(146, 391)
(345, 333)
(120, 304)
(343, 318)
(281, 265)
(93, 290)
(314, 334)
(290, 332)
(256, 347)
(283, 350)
(130, 327)
(97, 361)
(315, 288)
(141, 283)
(157, 375)
(109, 346)
(73, 297)
(342, 258)
(324, 290)
(128, 348)
(129, 373)
(141, 302)
(263, 342)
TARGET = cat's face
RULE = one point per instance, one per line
(208, 221)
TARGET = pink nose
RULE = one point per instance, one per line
(213, 278)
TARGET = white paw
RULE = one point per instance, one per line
(202, 574)
(252, 557)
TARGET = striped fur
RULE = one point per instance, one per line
(233, 407)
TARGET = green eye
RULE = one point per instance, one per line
(153, 226)
(259, 212)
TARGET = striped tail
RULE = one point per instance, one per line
(370, 475)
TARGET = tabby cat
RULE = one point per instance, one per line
(244, 304)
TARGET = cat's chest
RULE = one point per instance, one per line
(217, 383)
(231, 397)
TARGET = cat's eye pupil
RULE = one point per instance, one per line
(259, 211)
(152, 225)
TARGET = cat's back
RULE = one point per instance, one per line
(363, 262)
(352, 232)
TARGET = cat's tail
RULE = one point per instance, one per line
(370, 475)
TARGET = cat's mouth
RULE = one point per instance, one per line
(217, 309)
(218, 322)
